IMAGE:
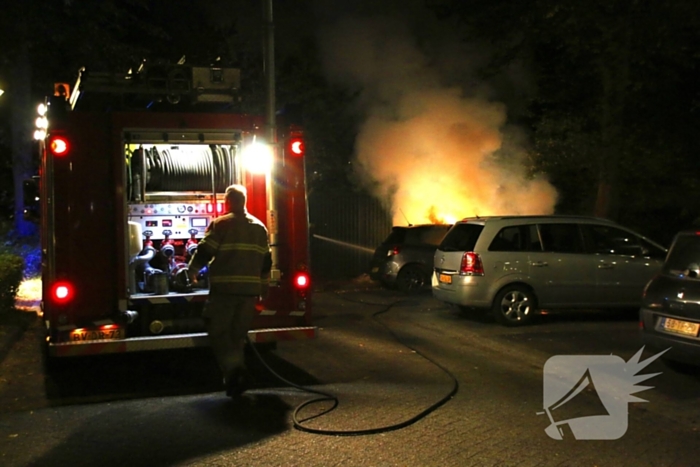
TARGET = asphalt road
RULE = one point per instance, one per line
(388, 358)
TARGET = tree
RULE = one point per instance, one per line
(18, 93)
(43, 40)
(613, 94)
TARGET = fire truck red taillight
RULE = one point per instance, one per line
(301, 281)
(296, 146)
(62, 292)
(58, 145)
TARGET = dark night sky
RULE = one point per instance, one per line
(511, 93)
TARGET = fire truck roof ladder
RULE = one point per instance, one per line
(172, 82)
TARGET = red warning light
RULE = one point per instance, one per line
(301, 280)
(62, 292)
(58, 146)
(296, 146)
(220, 207)
(210, 208)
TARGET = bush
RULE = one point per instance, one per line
(26, 247)
(11, 274)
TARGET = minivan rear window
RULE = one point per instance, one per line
(462, 237)
(684, 255)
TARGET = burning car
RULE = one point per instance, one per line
(405, 258)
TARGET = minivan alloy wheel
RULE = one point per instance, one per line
(514, 306)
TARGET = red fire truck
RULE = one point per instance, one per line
(133, 170)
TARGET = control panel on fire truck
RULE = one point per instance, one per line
(177, 218)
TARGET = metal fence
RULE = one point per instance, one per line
(345, 230)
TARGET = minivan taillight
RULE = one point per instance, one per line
(393, 251)
(471, 264)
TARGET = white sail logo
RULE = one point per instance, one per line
(587, 396)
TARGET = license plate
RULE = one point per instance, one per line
(84, 335)
(445, 278)
(681, 327)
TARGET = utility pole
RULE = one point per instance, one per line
(269, 68)
(270, 72)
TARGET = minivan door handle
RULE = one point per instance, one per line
(539, 264)
(606, 266)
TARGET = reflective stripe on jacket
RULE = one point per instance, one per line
(235, 247)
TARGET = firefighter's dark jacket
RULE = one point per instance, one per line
(237, 249)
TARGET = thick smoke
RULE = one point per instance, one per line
(430, 151)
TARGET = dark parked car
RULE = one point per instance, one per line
(670, 312)
(405, 258)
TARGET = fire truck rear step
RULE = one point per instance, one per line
(177, 341)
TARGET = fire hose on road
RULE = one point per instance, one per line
(328, 397)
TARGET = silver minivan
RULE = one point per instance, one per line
(516, 265)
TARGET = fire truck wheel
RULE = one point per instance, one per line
(411, 279)
(514, 305)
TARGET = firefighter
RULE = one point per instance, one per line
(237, 251)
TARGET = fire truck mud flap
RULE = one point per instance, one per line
(177, 341)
